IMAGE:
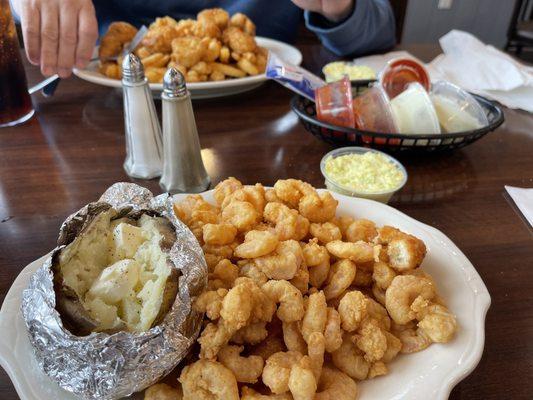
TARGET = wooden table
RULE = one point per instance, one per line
(73, 150)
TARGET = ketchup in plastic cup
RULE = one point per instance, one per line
(334, 103)
(373, 113)
(399, 73)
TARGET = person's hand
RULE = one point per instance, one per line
(58, 34)
(334, 10)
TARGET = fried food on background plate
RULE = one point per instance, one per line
(212, 47)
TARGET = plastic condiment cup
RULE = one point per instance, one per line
(381, 196)
(373, 112)
(334, 103)
(457, 110)
(414, 112)
(400, 72)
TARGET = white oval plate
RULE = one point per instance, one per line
(206, 90)
(429, 374)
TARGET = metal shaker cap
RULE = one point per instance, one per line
(174, 83)
(132, 69)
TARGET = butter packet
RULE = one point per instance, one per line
(293, 77)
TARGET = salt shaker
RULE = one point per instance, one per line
(144, 156)
(183, 169)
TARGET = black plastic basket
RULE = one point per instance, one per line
(393, 142)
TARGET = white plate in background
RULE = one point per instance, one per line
(429, 374)
(205, 90)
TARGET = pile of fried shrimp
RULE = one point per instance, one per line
(301, 303)
(213, 47)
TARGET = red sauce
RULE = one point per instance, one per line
(400, 73)
(334, 103)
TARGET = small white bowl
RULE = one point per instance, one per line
(382, 197)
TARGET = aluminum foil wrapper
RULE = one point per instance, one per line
(111, 366)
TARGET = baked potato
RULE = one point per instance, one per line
(115, 275)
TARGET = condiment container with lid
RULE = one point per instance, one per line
(334, 103)
(457, 110)
(362, 172)
(414, 112)
(373, 113)
(400, 72)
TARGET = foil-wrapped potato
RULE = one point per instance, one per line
(109, 312)
(116, 276)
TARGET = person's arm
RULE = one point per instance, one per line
(58, 34)
(368, 27)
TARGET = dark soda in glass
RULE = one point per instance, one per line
(15, 101)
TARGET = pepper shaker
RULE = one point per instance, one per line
(183, 168)
(143, 133)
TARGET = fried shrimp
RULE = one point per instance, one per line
(383, 275)
(316, 257)
(254, 195)
(241, 214)
(277, 370)
(341, 276)
(402, 292)
(290, 191)
(406, 252)
(210, 303)
(219, 233)
(371, 340)
(208, 380)
(162, 391)
(315, 316)
(224, 275)
(237, 307)
(361, 230)
(187, 51)
(246, 369)
(412, 339)
(437, 323)
(394, 345)
(252, 271)
(316, 351)
(335, 385)
(302, 382)
(352, 310)
(225, 188)
(117, 36)
(293, 337)
(349, 359)
(218, 16)
(332, 330)
(318, 207)
(257, 244)
(291, 305)
(250, 394)
(242, 21)
(213, 337)
(238, 40)
(283, 263)
(326, 232)
(288, 224)
(359, 252)
(251, 334)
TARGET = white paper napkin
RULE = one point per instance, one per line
(523, 199)
(474, 66)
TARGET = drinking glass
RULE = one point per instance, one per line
(15, 101)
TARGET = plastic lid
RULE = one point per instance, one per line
(414, 112)
(372, 111)
(399, 73)
(334, 103)
(457, 110)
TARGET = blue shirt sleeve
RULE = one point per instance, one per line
(370, 28)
